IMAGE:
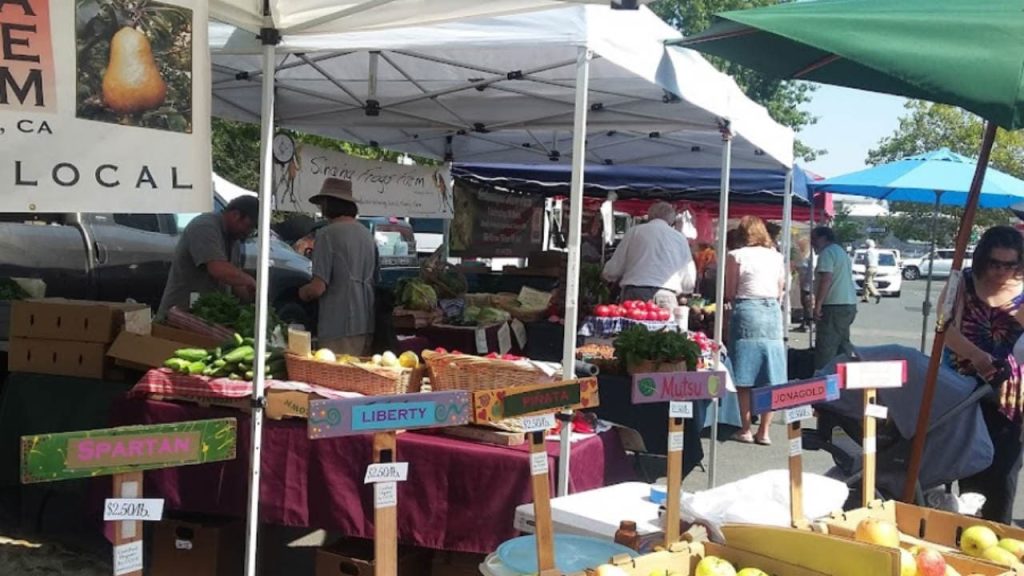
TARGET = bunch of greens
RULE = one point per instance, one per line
(593, 289)
(637, 343)
(415, 294)
(226, 310)
(11, 290)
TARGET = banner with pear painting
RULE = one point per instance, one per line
(104, 106)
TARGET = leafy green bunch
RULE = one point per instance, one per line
(637, 343)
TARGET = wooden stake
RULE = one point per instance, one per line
(385, 512)
(796, 474)
(128, 485)
(542, 505)
(675, 480)
(870, 448)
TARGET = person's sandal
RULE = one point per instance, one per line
(763, 441)
(747, 438)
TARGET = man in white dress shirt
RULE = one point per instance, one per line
(653, 261)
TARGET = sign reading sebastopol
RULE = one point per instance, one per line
(104, 104)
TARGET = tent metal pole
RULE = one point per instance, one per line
(926, 306)
(723, 227)
(262, 297)
(787, 248)
(812, 323)
(572, 277)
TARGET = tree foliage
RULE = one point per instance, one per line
(927, 127)
(782, 98)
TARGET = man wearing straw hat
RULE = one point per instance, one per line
(344, 272)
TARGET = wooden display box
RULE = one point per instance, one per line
(77, 320)
(683, 560)
(207, 547)
(281, 404)
(918, 525)
(355, 558)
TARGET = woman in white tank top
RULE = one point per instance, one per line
(754, 284)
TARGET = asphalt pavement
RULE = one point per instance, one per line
(893, 321)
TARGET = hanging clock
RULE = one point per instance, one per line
(283, 148)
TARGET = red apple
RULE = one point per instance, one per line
(930, 563)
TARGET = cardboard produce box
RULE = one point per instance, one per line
(192, 339)
(200, 547)
(936, 528)
(58, 357)
(140, 352)
(77, 320)
(352, 557)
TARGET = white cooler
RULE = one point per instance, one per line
(597, 513)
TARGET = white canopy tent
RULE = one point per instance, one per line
(294, 17)
(488, 88)
(502, 89)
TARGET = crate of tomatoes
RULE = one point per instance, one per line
(636, 310)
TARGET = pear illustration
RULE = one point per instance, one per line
(132, 82)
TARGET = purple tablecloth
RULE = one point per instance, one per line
(460, 496)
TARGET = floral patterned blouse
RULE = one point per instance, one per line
(995, 331)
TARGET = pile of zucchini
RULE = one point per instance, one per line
(233, 360)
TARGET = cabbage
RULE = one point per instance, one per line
(490, 315)
(420, 296)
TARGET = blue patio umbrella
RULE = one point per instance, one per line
(939, 177)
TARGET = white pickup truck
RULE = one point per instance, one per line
(941, 263)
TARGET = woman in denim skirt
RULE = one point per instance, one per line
(754, 287)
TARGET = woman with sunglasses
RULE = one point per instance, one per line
(980, 337)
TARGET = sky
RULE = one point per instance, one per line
(850, 123)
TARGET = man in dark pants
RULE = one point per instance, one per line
(835, 301)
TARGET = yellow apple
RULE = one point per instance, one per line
(1016, 547)
(908, 565)
(751, 572)
(1000, 556)
(714, 566)
(976, 539)
(609, 570)
(950, 571)
(877, 531)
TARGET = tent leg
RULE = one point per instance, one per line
(262, 304)
(572, 279)
(787, 249)
(962, 237)
(723, 227)
(926, 307)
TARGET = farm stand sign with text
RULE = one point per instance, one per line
(104, 104)
(50, 457)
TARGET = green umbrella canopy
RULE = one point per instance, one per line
(968, 53)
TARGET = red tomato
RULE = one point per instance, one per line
(652, 306)
(628, 304)
(664, 315)
(603, 311)
(637, 314)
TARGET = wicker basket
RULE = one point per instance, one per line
(366, 380)
(528, 314)
(473, 373)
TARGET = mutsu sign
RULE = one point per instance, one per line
(104, 106)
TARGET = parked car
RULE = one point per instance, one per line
(942, 263)
(114, 257)
(888, 279)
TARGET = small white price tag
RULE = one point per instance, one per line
(539, 463)
(519, 329)
(798, 414)
(504, 339)
(146, 509)
(180, 544)
(680, 409)
(796, 447)
(870, 445)
(876, 411)
(538, 423)
(675, 441)
(385, 495)
(860, 375)
(481, 341)
(128, 558)
(387, 472)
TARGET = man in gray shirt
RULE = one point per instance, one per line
(344, 273)
(208, 254)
